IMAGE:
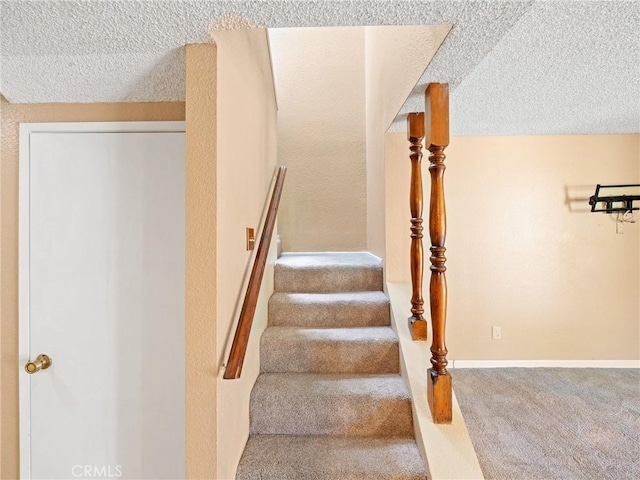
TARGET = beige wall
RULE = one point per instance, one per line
(338, 91)
(12, 115)
(246, 160)
(395, 58)
(231, 156)
(521, 255)
(201, 232)
(319, 74)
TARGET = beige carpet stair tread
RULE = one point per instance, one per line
(329, 350)
(323, 404)
(330, 310)
(289, 457)
(328, 272)
(329, 403)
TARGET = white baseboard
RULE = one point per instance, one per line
(545, 363)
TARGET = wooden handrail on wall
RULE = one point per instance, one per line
(243, 330)
(433, 126)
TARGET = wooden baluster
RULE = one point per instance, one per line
(415, 134)
(437, 139)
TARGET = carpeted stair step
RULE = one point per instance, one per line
(329, 350)
(330, 404)
(330, 310)
(289, 457)
(328, 272)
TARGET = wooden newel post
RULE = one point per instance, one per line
(415, 134)
(436, 140)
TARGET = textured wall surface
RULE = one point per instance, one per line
(524, 251)
(201, 287)
(12, 115)
(246, 159)
(338, 90)
(230, 96)
(395, 58)
(321, 137)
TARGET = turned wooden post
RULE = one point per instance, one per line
(437, 139)
(415, 134)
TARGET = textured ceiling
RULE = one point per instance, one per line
(514, 66)
(567, 67)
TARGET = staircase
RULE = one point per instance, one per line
(329, 402)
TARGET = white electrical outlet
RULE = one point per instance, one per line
(496, 333)
(619, 227)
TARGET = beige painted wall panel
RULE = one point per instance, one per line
(201, 260)
(11, 116)
(246, 160)
(395, 59)
(319, 74)
(558, 279)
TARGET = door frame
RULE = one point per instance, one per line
(24, 331)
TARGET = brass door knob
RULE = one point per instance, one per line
(42, 363)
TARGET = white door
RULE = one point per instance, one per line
(102, 294)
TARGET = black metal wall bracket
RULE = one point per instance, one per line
(615, 198)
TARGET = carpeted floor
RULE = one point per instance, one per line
(553, 423)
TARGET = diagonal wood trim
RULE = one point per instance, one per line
(241, 337)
